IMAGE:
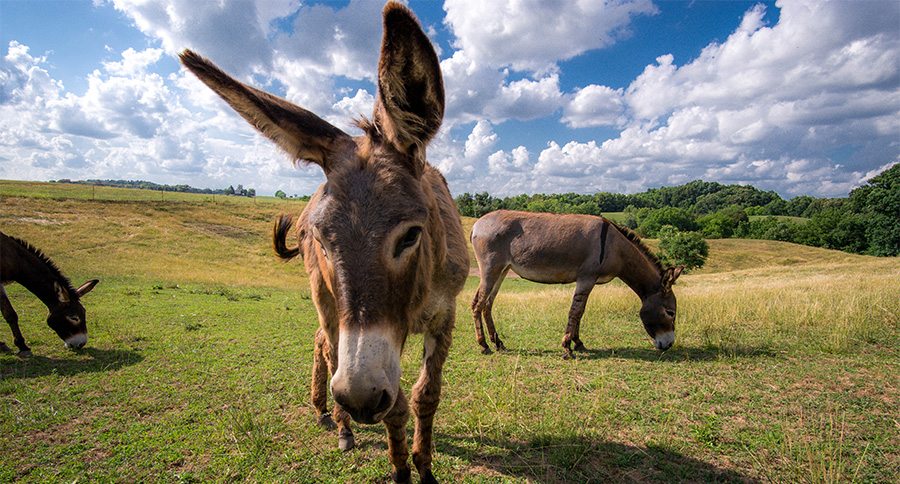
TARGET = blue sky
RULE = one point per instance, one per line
(542, 96)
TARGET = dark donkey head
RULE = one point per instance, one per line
(658, 310)
(372, 233)
(67, 317)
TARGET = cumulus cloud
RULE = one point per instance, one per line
(594, 106)
(767, 106)
(807, 105)
(533, 35)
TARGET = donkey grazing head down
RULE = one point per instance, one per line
(381, 238)
(67, 318)
(658, 310)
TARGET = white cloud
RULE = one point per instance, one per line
(594, 106)
(533, 35)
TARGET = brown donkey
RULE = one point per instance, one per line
(559, 249)
(23, 263)
(381, 239)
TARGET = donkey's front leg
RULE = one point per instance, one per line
(9, 314)
(426, 394)
(346, 441)
(319, 384)
(398, 452)
(583, 289)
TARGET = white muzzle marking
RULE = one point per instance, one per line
(368, 364)
(76, 340)
(665, 340)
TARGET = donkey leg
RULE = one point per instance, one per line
(346, 441)
(477, 308)
(579, 301)
(426, 394)
(319, 384)
(576, 338)
(9, 314)
(489, 319)
(398, 452)
(489, 311)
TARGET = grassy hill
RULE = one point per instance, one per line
(201, 340)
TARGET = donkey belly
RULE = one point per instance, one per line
(546, 274)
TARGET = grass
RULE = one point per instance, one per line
(201, 342)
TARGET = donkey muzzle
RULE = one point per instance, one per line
(367, 379)
(664, 341)
(76, 341)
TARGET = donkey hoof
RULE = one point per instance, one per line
(24, 354)
(579, 346)
(501, 346)
(326, 422)
(486, 351)
(427, 477)
(568, 355)
(346, 442)
(401, 475)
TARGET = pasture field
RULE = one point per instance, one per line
(198, 365)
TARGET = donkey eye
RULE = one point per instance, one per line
(670, 313)
(408, 240)
(73, 319)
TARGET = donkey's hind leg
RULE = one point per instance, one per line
(583, 289)
(9, 314)
(319, 384)
(489, 311)
(491, 277)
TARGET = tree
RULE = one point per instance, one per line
(280, 194)
(679, 218)
(678, 248)
(230, 190)
(251, 192)
(722, 224)
(878, 203)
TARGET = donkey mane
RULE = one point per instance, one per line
(636, 240)
(48, 262)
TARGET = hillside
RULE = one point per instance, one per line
(200, 238)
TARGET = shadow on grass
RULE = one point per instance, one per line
(582, 459)
(676, 354)
(100, 360)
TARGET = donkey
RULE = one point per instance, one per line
(23, 263)
(559, 249)
(381, 239)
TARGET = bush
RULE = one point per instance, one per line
(687, 249)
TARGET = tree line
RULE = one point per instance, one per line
(865, 222)
(146, 185)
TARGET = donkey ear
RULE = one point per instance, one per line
(669, 276)
(300, 133)
(410, 103)
(86, 287)
(61, 293)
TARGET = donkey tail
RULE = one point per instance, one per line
(279, 237)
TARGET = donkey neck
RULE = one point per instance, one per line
(637, 270)
(38, 277)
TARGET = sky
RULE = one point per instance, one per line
(543, 96)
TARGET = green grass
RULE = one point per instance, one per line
(199, 362)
